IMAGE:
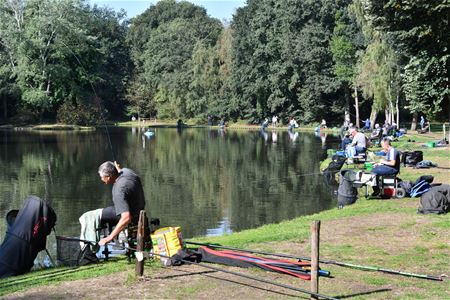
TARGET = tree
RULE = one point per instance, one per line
(282, 62)
(176, 34)
(419, 29)
(346, 45)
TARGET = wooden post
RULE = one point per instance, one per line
(315, 238)
(140, 244)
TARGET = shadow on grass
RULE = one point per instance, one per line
(362, 293)
(206, 274)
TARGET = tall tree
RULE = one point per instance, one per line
(163, 55)
(419, 29)
(347, 44)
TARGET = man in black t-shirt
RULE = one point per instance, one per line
(128, 198)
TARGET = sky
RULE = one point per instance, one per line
(220, 9)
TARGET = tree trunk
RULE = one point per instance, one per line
(347, 120)
(387, 115)
(414, 122)
(397, 109)
(373, 117)
(392, 112)
(356, 107)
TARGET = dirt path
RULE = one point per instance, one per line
(195, 282)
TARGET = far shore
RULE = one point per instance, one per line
(240, 125)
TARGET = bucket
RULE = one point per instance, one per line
(368, 166)
(431, 144)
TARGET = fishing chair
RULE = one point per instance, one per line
(129, 241)
(389, 184)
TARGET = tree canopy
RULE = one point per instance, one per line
(68, 61)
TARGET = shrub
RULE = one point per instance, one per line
(85, 115)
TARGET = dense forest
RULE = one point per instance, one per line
(70, 62)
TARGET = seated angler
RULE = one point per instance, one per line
(127, 196)
(389, 165)
(359, 141)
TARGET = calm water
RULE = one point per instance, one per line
(209, 182)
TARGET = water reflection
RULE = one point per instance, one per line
(293, 136)
(207, 181)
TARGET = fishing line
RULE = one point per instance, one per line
(96, 99)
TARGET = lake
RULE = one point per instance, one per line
(208, 181)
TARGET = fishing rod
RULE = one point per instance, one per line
(96, 99)
(332, 262)
(147, 255)
(51, 274)
(70, 239)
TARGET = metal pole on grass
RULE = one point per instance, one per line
(140, 243)
(315, 238)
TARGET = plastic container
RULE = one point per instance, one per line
(389, 191)
(340, 153)
(331, 152)
(368, 166)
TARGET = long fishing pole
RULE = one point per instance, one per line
(235, 273)
(52, 274)
(96, 99)
(332, 262)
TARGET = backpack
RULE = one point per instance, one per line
(420, 188)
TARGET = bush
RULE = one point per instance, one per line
(25, 117)
(85, 115)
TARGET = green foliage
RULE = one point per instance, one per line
(426, 83)
(282, 62)
(289, 58)
(175, 68)
(56, 51)
(419, 30)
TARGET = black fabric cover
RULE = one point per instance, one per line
(347, 193)
(26, 237)
(436, 200)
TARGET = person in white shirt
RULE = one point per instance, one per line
(359, 141)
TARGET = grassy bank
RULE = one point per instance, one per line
(384, 233)
(50, 127)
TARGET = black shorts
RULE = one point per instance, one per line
(109, 216)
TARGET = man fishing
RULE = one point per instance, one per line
(127, 195)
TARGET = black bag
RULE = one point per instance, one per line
(411, 158)
(336, 164)
(347, 193)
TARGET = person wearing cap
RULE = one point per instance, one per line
(358, 141)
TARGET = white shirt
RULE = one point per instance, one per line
(359, 140)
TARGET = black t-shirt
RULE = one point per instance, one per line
(128, 194)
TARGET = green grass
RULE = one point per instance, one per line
(56, 275)
(374, 280)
